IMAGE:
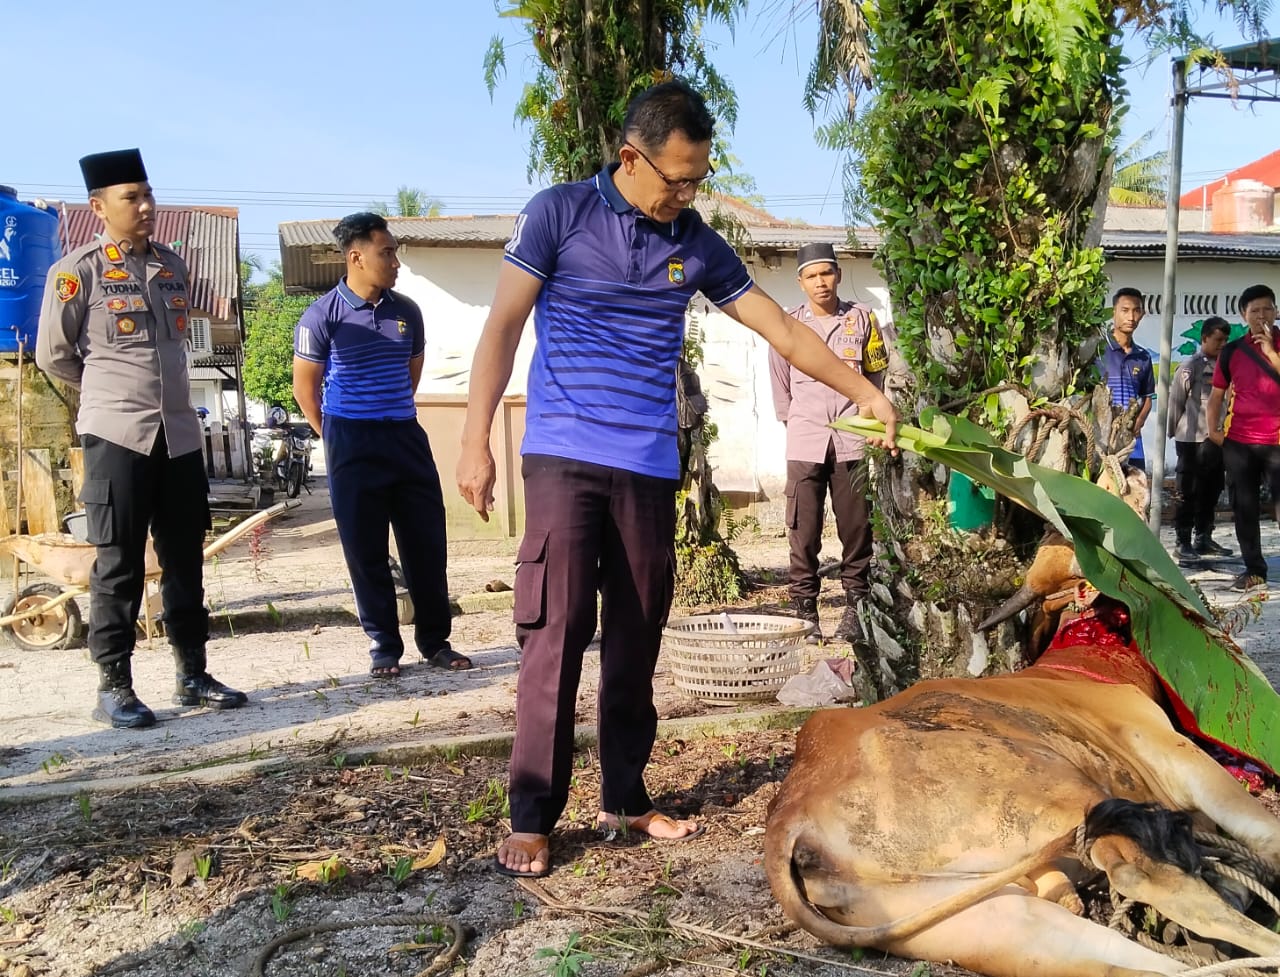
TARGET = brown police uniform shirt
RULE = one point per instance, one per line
(806, 405)
(114, 324)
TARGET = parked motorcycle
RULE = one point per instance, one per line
(283, 450)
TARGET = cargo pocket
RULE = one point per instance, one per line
(95, 495)
(789, 513)
(531, 580)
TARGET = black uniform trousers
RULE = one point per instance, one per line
(125, 494)
(382, 475)
(1201, 476)
(1247, 465)
(588, 529)
(806, 493)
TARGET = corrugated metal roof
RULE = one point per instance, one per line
(208, 238)
(311, 260)
(312, 263)
(1151, 244)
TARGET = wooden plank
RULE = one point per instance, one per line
(75, 458)
(6, 512)
(204, 452)
(218, 448)
(235, 442)
(38, 497)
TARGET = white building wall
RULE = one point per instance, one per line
(454, 287)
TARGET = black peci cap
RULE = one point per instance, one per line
(107, 169)
(812, 254)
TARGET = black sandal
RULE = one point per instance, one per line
(448, 659)
(385, 671)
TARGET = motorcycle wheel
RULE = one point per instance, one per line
(294, 484)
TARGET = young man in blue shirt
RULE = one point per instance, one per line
(357, 359)
(1126, 367)
(608, 266)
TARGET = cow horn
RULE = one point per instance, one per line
(1020, 601)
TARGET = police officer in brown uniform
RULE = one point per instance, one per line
(819, 458)
(114, 324)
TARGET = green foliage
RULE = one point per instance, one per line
(1140, 180)
(270, 317)
(568, 961)
(592, 58)
(982, 156)
(409, 202)
(1119, 555)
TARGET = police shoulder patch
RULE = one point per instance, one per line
(66, 285)
(675, 271)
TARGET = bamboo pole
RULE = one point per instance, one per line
(17, 495)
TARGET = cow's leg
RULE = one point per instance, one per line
(1192, 781)
(1013, 934)
(1054, 885)
(1181, 897)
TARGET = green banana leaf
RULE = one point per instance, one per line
(1228, 695)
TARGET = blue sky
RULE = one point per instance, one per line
(294, 110)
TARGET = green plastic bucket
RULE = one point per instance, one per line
(969, 507)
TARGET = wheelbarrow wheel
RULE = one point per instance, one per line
(53, 630)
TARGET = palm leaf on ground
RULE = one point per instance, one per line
(1231, 699)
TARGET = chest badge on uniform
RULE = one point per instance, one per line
(139, 303)
(177, 302)
(849, 353)
(125, 326)
(401, 326)
(1137, 370)
(181, 323)
(164, 273)
(116, 275)
(675, 271)
(116, 305)
(66, 285)
(113, 254)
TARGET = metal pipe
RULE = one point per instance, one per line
(1169, 302)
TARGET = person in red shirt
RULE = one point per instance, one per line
(1250, 433)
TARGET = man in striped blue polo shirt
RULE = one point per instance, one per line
(357, 359)
(608, 266)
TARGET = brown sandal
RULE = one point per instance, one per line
(533, 847)
(640, 826)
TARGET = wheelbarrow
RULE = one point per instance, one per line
(44, 616)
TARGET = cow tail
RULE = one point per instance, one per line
(785, 881)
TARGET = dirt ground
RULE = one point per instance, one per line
(334, 800)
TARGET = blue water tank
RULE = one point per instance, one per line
(28, 249)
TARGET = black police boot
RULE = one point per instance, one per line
(807, 610)
(117, 705)
(196, 687)
(1206, 546)
(850, 627)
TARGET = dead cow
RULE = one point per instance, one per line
(941, 824)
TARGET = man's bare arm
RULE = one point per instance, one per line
(491, 367)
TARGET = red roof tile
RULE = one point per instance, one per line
(1265, 170)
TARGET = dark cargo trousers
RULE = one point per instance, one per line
(806, 492)
(125, 495)
(1201, 476)
(588, 529)
(1247, 465)
(382, 475)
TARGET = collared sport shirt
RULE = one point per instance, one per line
(114, 324)
(1129, 376)
(806, 405)
(1253, 416)
(366, 348)
(609, 321)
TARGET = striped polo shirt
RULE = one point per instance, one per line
(609, 321)
(366, 348)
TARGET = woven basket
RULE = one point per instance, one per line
(730, 658)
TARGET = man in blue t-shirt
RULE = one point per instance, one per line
(1126, 367)
(357, 359)
(608, 266)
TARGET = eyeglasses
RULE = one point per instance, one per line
(673, 184)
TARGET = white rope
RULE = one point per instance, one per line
(1230, 966)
